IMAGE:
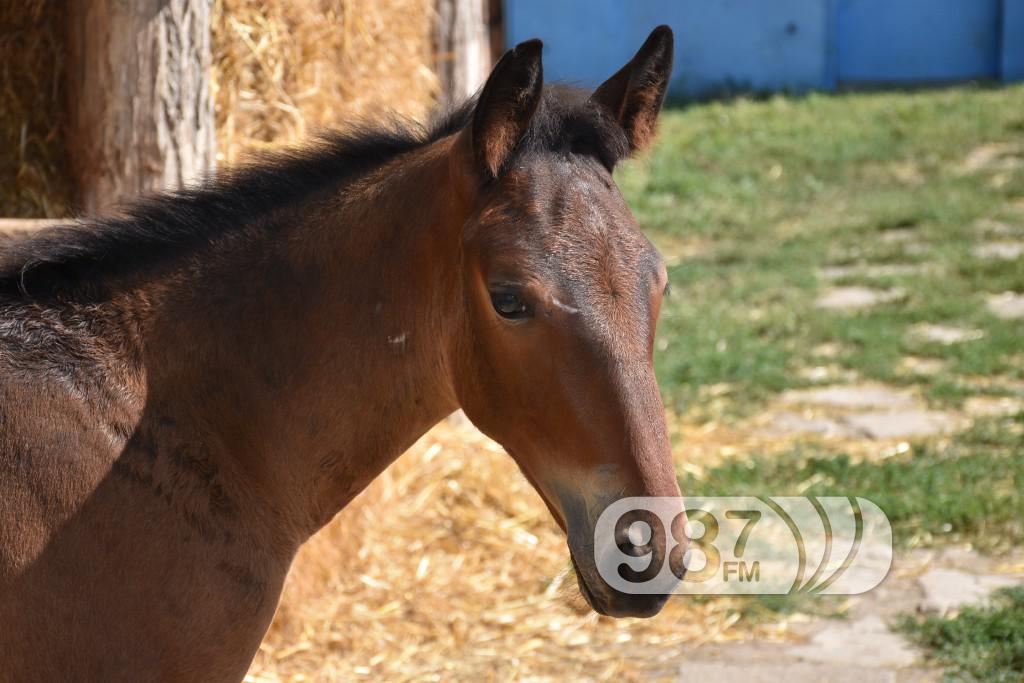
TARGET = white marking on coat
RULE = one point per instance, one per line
(565, 307)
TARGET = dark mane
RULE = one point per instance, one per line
(66, 261)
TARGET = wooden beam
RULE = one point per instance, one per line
(462, 44)
(139, 99)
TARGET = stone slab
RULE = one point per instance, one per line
(794, 423)
(1005, 251)
(790, 672)
(856, 298)
(1006, 306)
(917, 365)
(950, 589)
(993, 406)
(945, 334)
(902, 424)
(988, 226)
(851, 396)
(870, 270)
(864, 642)
(993, 156)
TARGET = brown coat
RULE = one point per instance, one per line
(190, 390)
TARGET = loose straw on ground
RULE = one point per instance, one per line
(449, 568)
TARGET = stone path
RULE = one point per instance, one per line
(1006, 251)
(868, 411)
(916, 365)
(988, 227)
(944, 334)
(993, 406)
(870, 270)
(1008, 305)
(856, 298)
(995, 156)
(861, 648)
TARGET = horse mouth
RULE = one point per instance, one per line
(585, 590)
(617, 604)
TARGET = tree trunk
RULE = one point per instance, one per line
(140, 106)
(463, 47)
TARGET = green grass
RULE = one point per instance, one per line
(981, 644)
(749, 199)
(967, 490)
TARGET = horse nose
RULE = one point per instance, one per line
(638, 606)
(662, 530)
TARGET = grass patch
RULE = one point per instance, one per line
(981, 644)
(750, 201)
(969, 490)
(775, 190)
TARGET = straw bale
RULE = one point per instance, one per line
(33, 167)
(284, 68)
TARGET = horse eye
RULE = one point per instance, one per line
(509, 305)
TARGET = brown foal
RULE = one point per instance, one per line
(191, 389)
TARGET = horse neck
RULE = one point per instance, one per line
(311, 361)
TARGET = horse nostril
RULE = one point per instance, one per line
(635, 539)
(639, 533)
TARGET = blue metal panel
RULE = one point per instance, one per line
(918, 40)
(782, 44)
(778, 45)
(1012, 67)
(719, 43)
(831, 44)
(584, 40)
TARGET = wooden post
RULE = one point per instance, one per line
(463, 47)
(140, 106)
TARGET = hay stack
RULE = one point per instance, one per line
(33, 168)
(284, 68)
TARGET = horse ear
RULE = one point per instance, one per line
(506, 105)
(636, 92)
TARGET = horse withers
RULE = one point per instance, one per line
(191, 389)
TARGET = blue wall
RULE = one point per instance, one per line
(918, 40)
(780, 44)
(769, 45)
(1012, 65)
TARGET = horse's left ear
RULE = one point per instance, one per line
(636, 92)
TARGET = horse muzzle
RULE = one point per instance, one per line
(596, 561)
(609, 602)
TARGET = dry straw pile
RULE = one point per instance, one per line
(33, 169)
(449, 568)
(284, 68)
